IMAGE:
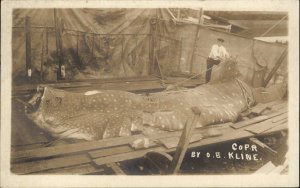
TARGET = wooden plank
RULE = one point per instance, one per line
(28, 45)
(265, 125)
(263, 146)
(257, 119)
(172, 136)
(279, 118)
(280, 106)
(183, 143)
(37, 166)
(282, 126)
(92, 145)
(71, 148)
(265, 169)
(110, 151)
(85, 146)
(125, 156)
(172, 142)
(116, 168)
(229, 134)
(59, 46)
(195, 43)
(232, 135)
(276, 66)
(259, 108)
(125, 84)
(82, 169)
(280, 168)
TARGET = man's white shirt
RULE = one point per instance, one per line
(218, 52)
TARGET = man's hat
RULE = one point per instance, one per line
(220, 39)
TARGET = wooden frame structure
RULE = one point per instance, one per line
(96, 156)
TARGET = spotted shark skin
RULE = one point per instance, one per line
(95, 115)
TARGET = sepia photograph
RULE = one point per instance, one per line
(149, 91)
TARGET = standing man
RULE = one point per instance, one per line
(217, 54)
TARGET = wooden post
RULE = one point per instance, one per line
(153, 46)
(275, 68)
(59, 53)
(184, 142)
(168, 53)
(178, 13)
(122, 56)
(116, 168)
(42, 56)
(179, 60)
(195, 43)
(201, 12)
(77, 44)
(47, 40)
(28, 46)
(93, 39)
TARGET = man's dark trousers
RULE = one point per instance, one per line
(209, 64)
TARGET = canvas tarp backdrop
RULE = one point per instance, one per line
(88, 62)
(130, 54)
(252, 55)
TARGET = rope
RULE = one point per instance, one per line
(246, 93)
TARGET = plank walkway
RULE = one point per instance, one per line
(93, 157)
(135, 84)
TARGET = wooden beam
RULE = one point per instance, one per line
(81, 169)
(42, 165)
(116, 168)
(178, 13)
(195, 41)
(110, 151)
(183, 143)
(28, 45)
(180, 53)
(93, 40)
(122, 56)
(42, 56)
(230, 135)
(268, 167)
(59, 52)
(125, 156)
(263, 146)
(266, 125)
(257, 119)
(172, 142)
(275, 68)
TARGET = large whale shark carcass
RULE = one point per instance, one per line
(101, 114)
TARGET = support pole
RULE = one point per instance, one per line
(122, 56)
(184, 142)
(42, 56)
(196, 38)
(77, 44)
(180, 53)
(153, 45)
(47, 41)
(28, 45)
(178, 13)
(93, 39)
(59, 53)
(275, 68)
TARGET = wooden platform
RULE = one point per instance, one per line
(135, 84)
(96, 156)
